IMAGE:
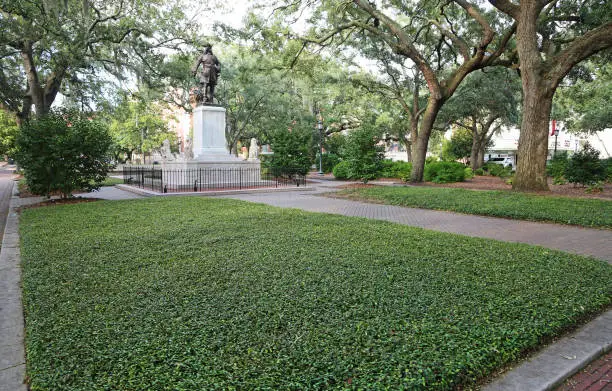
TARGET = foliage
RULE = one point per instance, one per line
(8, 133)
(525, 206)
(459, 146)
(595, 187)
(469, 173)
(292, 150)
(330, 160)
(341, 170)
(63, 153)
(557, 165)
(584, 167)
(479, 171)
(79, 48)
(584, 104)
(607, 163)
(118, 286)
(397, 169)
(363, 154)
(444, 172)
(497, 170)
(137, 125)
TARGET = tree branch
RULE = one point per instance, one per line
(506, 6)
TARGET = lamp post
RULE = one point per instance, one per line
(556, 135)
(320, 128)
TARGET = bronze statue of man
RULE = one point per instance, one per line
(209, 74)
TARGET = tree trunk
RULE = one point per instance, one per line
(409, 151)
(533, 141)
(481, 153)
(420, 148)
(537, 102)
(475, 146)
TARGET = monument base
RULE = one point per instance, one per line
(209, 135)
(215, 174)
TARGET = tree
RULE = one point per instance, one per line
(584, 105)
(73, 46)
(362, 154)
(482, 104)
(8, 133)
(552, 37)
(459, 146)
(292, 151)
(137, 125)
(63, 152)
(455, 35)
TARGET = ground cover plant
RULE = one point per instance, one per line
(565, 210)
(148, 294)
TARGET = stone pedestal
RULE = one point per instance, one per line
(209, 135)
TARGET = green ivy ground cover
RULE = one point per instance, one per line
(200, 294)
(565, 210)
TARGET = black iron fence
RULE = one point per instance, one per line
(162, 180)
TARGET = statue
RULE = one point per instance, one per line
(208, 76)
(166, 153)
(253, 149)
(188, 148)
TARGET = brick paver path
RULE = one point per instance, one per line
(584, 241)
(597, 376)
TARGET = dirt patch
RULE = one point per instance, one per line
(496, 183)
(61, 201)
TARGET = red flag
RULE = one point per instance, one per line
(554, 127)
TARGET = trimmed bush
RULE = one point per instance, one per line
(363, 154)
(291, 152)
(556, 166)
(340, 170)
(469, 173)
(329, 160)
(444, 172)
(584, 167)
(479, 171)
(63, 152)
(397, 169)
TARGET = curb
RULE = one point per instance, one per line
(548, 368)
(12, 350)
(149, 193)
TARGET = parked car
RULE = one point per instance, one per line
(504, 161)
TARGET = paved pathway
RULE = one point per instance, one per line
(584, 241)
(12, 356)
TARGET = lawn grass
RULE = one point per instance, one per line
(196, 294)
(575, 211)
(110, 181)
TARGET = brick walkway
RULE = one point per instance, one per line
(577, 240)
(597, 376)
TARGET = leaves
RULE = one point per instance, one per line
(191, 293)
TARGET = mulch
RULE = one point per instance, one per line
(496, 183)
(61, 201)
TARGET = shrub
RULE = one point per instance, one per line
(444, 172)
(497, 170)
(340, 170)
(431, 159)
(584, 167)
(479, 171)
(393, 169)
(363, 154)
(291, 152)
(63, 152)
(329, 160)
(556, 167)
(607, 163)
(469, 173)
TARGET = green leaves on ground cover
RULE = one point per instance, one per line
(565, 210)
(194, 294)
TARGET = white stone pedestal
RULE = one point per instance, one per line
(209, 134)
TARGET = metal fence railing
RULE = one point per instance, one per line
(162, 180)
